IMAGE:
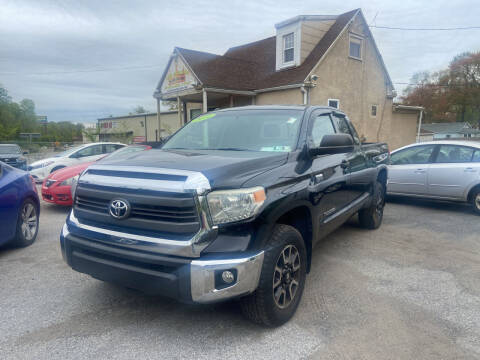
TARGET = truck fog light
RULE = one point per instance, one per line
(228, 277)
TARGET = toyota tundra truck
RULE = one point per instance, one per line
(229, 208)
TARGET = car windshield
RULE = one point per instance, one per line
(69, 151)
(125, 151)
(244, 130)
(9, 149)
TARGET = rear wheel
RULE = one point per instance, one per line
(371, 217)
(282, 279)
(476, 201)
(27, 224)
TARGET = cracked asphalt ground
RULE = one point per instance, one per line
(410, 290)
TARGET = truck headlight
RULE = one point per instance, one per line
(235, 205)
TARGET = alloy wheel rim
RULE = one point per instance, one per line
(477, 201)
(29, 221)
(286, 276)
(380, 204)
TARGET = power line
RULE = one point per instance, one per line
(426, 29)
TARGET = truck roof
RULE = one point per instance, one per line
(278, 107)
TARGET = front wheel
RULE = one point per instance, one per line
(282, 279)
(27, 224)
(371, 217)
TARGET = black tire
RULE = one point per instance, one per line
(476, 201)
(371, 217)
(56, 168)
(27, 224)
(264, 306)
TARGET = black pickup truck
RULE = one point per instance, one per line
(229, 208)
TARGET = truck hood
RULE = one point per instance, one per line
(224, 169)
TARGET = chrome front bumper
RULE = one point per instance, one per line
(202, 277)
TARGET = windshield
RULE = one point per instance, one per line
(9, 149)
(125, 151)
(69, 151)
(245, 130)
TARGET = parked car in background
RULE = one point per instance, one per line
(12, 155)
(56, 188)
(444, 170)
(19, 207)
(77, 155)
(229, 207)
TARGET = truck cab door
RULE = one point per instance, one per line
(328, 191)
(360, 174)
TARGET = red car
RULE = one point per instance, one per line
(56, 187)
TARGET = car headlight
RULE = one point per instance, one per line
(235, 205)
(69, 181)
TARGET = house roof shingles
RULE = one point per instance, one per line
(252, 66)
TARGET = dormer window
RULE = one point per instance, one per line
(288, 48)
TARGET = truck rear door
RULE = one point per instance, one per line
(328, 186)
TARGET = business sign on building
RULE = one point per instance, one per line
(42, 119)
(178, 77)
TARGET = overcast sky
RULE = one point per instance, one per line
(48, 49)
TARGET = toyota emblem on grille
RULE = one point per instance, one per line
(119, 209)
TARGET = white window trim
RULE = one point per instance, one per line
(284, 48)
(338, 103)
(357, 38)
(294, 28)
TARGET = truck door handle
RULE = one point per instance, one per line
(345, 164)
(420, 171)
(469, 169)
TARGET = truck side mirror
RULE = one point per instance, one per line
(333, 144)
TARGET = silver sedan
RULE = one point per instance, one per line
(444, 170)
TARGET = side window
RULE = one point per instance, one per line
(108, 148)
(476, 156)
(341, 125)
(322, 125)
(413, 155)
(454, 154)
(89, 151)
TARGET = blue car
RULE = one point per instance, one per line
(19, 207)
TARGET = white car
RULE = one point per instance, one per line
(444, 170)
(81, 154)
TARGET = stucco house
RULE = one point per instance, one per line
(312, 59)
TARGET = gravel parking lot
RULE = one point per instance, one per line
(410, 290)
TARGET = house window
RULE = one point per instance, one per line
(355, 50)
(334, 103)
(194, 113)
(373, 111)
(288, 48)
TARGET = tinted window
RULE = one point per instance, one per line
(89, 151)
(413, 155)
(454, 154)
(476, 156)
(322, 125)
(108, 148)
(341, 125)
